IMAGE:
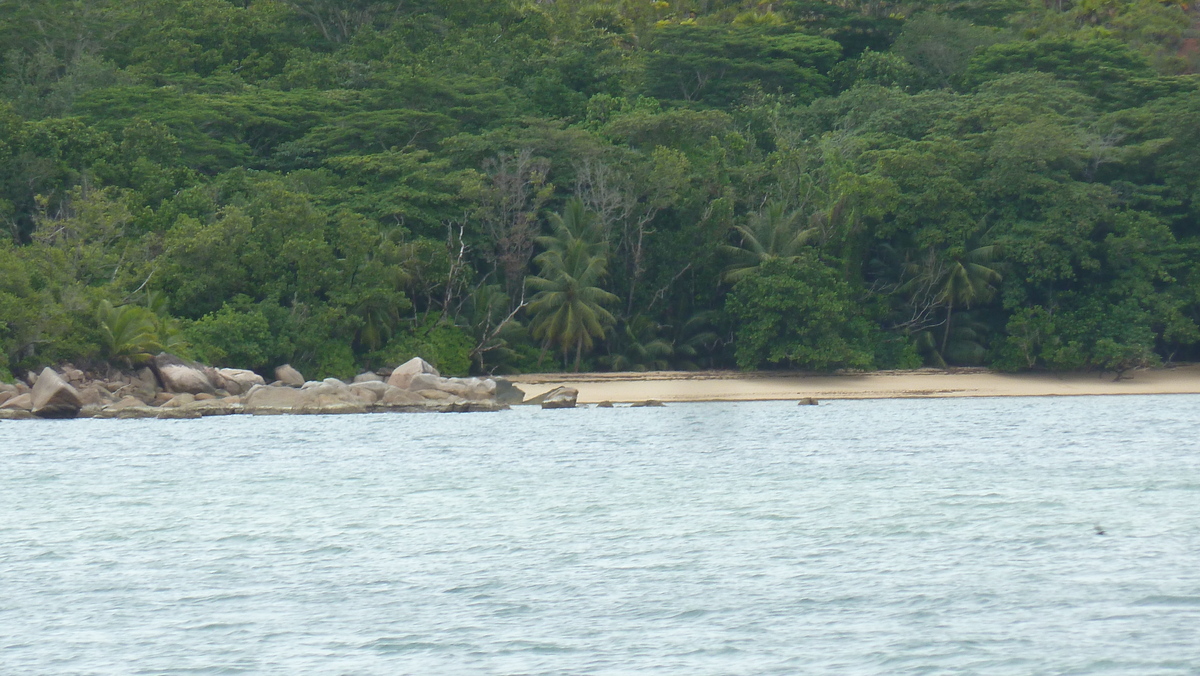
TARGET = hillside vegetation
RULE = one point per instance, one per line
(509, 186)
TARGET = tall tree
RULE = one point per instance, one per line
(569, 307)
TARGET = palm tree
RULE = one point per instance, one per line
(642, 347)
(166, 328)
(954, 283)
(576, 226)
(967, 278)
(130, 332)
(695, 341)
(772, 233)
(967, 344)
(379, 309)
(568, 307)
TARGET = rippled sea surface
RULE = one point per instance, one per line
(856, 537)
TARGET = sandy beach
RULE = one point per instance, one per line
(772, 386)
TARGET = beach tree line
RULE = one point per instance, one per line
(509, 186)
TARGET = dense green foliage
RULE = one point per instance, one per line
(509, 185)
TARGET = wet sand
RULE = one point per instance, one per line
(773, 386)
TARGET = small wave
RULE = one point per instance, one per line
(1166, 600)
(691, 614)
(388, 645)
(328, 549)
(537, 647)
(219, 626)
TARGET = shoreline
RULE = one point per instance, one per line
(710, 386)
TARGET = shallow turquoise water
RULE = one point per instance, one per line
(872, 537)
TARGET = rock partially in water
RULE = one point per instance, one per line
(807, 401)
(314, 398)
(128, 412)
(605, 404)
(226, 406)
(53, 397)
(473, 407)
(561, 397)
(16, 414)
(177, 414)
(649, 403)
(21, 402)
(507, 393)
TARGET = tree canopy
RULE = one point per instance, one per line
(614, 184)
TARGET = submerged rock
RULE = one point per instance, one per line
(53, 397)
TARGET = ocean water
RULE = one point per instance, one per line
(856, 537)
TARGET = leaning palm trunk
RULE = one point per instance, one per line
(946, 333)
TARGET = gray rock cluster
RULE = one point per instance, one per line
(177, 388)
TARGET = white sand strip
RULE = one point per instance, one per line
(734, 386)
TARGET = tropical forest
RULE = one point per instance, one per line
(516, 186)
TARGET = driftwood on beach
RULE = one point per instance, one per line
(174, 388)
